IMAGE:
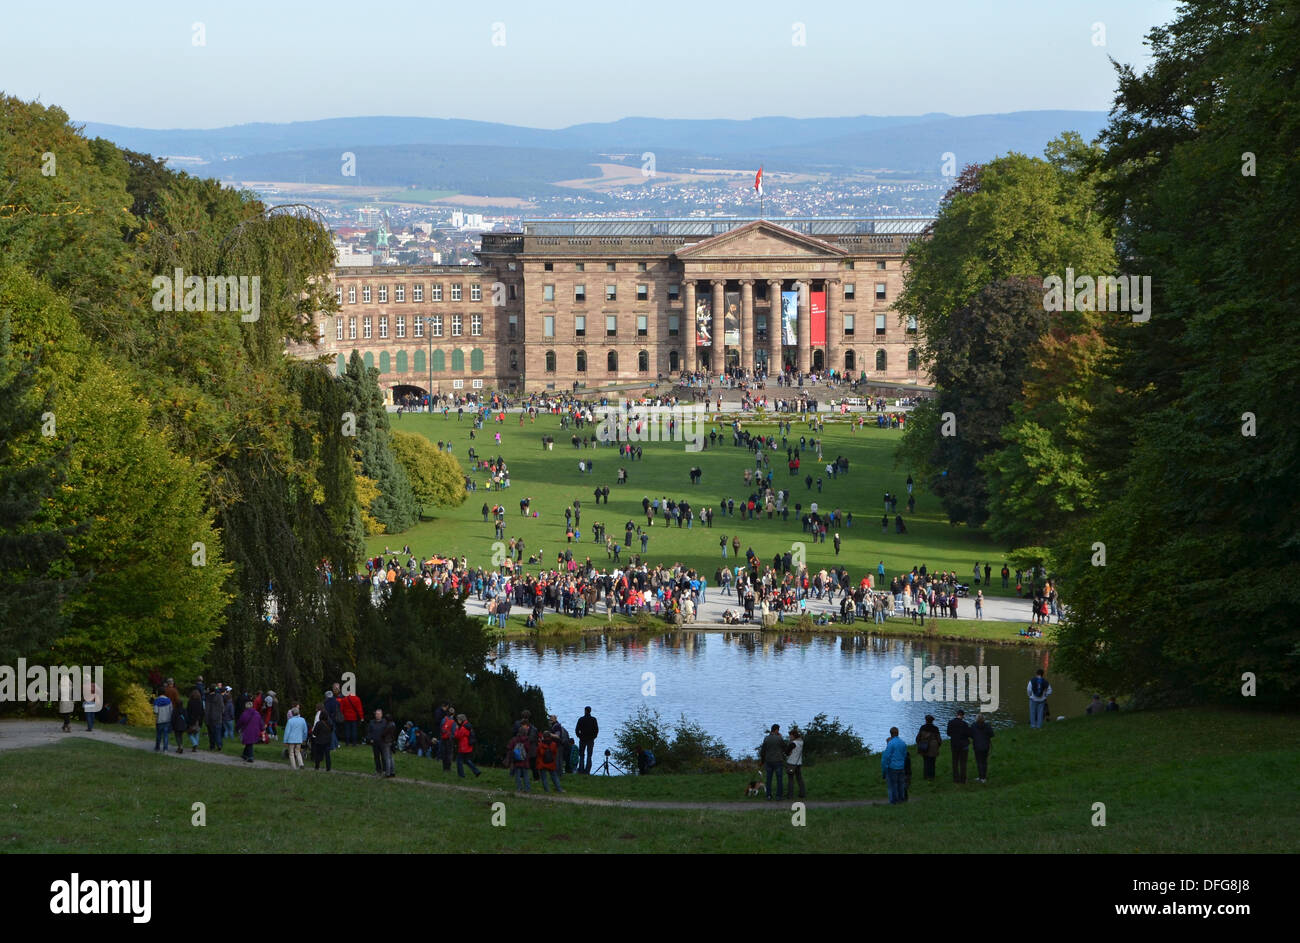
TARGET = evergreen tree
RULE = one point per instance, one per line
(395, 507)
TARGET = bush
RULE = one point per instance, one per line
(134, 703)
(829, 739)
(691, 750)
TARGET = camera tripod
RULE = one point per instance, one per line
(604, 767)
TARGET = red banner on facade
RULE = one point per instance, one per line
(817, 304)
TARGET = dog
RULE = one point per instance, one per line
(754, 789)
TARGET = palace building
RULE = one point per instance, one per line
(616, 301)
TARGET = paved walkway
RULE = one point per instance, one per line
(715, 603)
(20, 734)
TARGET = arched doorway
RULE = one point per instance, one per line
(818, 361)
(674, 361)
(850, 361)
(733, 358)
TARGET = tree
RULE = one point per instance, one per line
(31, 598)
(437, 480)
(1196, 441)
(130, 508)
(395, 507)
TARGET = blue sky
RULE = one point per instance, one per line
(556, 64)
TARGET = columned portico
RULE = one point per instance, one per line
(774, 326)
(747, 325)
(804, 359)
(718, 361)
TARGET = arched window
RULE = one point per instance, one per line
(369, 360)
(582, 361)
(643, 362)
(385, 365)
(514, 360)
(912, 359)
(611, 361)
(420, 365)
(550, 361)
(401, 361)
(476, 360)
(881, 360)
(342, 365)
(458, 361)
(850, 361)
(674, 361)
(439, 361)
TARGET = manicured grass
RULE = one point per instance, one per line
(1179, 781)
(552, 480)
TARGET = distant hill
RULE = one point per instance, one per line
(465, 155)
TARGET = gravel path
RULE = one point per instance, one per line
(20, 734)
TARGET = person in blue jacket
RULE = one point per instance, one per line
(892, 765)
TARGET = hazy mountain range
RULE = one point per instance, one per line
(487, 157)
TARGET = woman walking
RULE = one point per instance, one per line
(980, 735)
(322, 737)
(464, 748)
(194, 718)
(250, 729)
(90, 702)
(65, 702)
(295, 735)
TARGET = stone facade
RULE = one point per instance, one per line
(602, 301)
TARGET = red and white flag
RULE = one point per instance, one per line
(758, 181)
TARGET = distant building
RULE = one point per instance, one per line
(602, 301)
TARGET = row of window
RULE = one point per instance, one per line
(456, 324)
(417, 293)
(642, 267)
(674, 293)
(421, 364)
(674, 361)
(674, 325)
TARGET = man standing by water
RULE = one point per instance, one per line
(773, 756)
(1038, 690)
(892, 763)
(928, 740)
(959, 738)
(587, 730)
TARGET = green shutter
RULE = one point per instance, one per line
(385, 365)
(401, 361)
(458, 361)
(439, 361)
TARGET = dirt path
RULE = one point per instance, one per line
(19, 734)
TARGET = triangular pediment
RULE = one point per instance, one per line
(760, 240)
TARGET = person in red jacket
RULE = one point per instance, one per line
(547, 754)
(464, 749)
(448, 747)
(352, 716)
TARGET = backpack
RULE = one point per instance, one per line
(323, 727)
(1038, 685)
(519, 754)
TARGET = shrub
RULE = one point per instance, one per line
(829, 739)
(134, 703)
(691, 750)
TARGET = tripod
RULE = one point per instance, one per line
(604, 767)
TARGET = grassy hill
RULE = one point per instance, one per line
(1178, 781)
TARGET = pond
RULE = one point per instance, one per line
(737, 684)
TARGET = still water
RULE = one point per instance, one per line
(737, 684)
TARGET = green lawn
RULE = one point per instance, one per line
(1178, 781)
(553, 481)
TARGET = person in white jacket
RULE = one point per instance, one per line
(794, 762)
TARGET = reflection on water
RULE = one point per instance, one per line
(737, 684)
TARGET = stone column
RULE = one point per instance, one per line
(689, 355)
(747, 325)
(718, 358)
(805, 330)
(774, 327)
(834, 325)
